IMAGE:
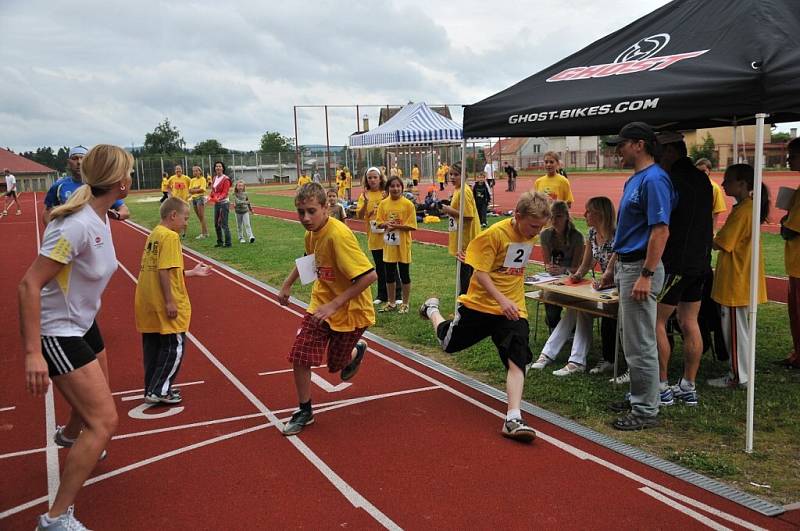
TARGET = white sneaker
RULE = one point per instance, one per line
(602, 366)
(724, 382)
(569, 368)
(200, 237)
(241, 240)
(399, 301)
(541, 363)
(65, 522)
(377, 301)
(622, 378)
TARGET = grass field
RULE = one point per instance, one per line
(708, 438)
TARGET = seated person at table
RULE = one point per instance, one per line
(598, 249)
(562, 249)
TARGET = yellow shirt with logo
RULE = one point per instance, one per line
(162, 251)
(179, 187)
(198, 182)
(487, 253)
(792, 247)
(556, 187)
(471, 221)
(719, 198)
(374, 198)
(339, 260)
(401, 210)
(165, 184)
(732, 275)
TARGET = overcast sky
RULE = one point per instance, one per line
(90, 71)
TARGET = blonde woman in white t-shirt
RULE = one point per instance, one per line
(59, 297)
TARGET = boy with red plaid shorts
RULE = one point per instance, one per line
(341, 307)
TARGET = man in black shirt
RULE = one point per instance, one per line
(687, 259)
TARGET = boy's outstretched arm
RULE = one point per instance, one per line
(200, 270)
(286, 289)
(359, 284)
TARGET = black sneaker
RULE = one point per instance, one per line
(218, 244)
(252, 239)
(300, 419)
(633, 422)
(622, 406)
(351, 368)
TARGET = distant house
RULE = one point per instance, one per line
(31, 176)
(524, 153)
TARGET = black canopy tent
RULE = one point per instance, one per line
(689, 64)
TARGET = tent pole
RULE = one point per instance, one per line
(735, 146)
(461, 201)
(752, 309)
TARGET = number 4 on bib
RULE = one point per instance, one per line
(391, 238)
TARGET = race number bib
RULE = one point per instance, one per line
(452, 224)
(307, 267)
(517, 255)
(391, 238)
(373, 227)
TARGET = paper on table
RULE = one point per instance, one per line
(540, 278)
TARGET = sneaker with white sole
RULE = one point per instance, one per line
(569, 368)
(602, 367)
(241, 240)
(688, 397)
(173, 397)
(666, 398)
(300, 419)
(725, 382)
(65, 522)
(541, 363)
(622, 378)
(65, 442)
(519, 431)
(377, 301)
(433, 302)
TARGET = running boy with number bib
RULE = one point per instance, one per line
(495, 301)
(340, 309)
(398, 217)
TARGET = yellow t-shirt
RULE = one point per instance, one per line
(339, 260)
(470, 225)
(198, 182)
(719, 199)
(162, 251)
(556, 187)
(374, 239)
(179, 187)
(792, 247)
(303, 179)
(732, 275)
(403, 210)
(445, 169)
(415, 174)
(165, 184)
(487, 253)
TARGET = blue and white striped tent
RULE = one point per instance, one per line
(415, 123)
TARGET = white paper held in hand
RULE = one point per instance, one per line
(307, 267)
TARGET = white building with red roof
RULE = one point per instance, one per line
(31, 176)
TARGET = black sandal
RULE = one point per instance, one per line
(633, 422)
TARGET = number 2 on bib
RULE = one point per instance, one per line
(517, 255)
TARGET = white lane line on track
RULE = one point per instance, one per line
(10, 408)
(51, 455)
(353, 496)
(581, 454)
(685, 510)
(133, 391)
(282, 371)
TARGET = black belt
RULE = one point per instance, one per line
(634, 256)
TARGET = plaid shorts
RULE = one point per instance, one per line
(314, 339)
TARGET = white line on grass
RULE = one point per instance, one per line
(581, 454)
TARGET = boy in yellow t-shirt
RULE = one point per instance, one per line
(470, 229)
(164, 187)
(495, 301)
(340, 309)
(161, 303)
(397, 216)
(197, 194)
(303, 179)
(790, 232)
(553, 185)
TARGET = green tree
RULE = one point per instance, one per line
(46, 156)
(781, 137)
(274, 142)
(165, 138)
(211, 146)
(706, 150)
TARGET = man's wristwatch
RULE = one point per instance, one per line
(646, 273)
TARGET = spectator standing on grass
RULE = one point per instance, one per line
(599, 249)
(488, 170)
(470, 229)
(178, 184)
(197, 191)
(642, 232)
(11, 193)
(687, 260)
(59, 298)
(340, 310)
(219, 196)
(164, 187)
(480, 191)
(494, 305)
(512, 177)
(303, 179)
(242, 208)
(397, 216)
(415, 176)
(552, 184)
(61, 190)
(719, 206)
(161, 303)
(373, 193)
(790, 232)
(335, 208)
(441, 175)
(732, 276)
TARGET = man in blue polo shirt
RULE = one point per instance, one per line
(59, 193)
(642, 231)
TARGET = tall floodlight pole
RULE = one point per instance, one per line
(327, 146)
(296, 145)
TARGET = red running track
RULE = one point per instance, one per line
(401, 446)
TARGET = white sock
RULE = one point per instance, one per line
(664, 385)
(430, 310)
(48, 520)
(686, 385)
(513, 414)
